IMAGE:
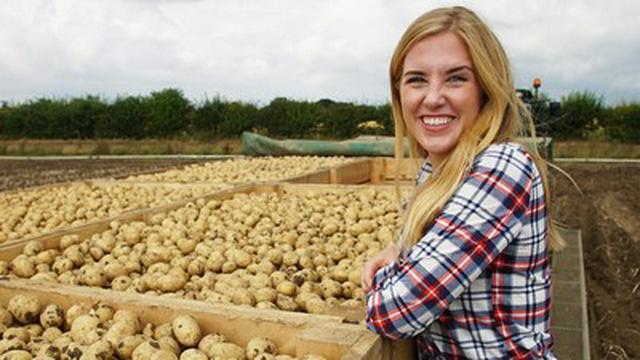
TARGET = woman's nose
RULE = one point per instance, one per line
(434, 96)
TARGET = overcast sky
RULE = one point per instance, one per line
(302, 49)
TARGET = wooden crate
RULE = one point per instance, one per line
(354, 172)
(295, 334)
(8, 251)
(339, 315)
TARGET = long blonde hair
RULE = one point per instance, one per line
(501, 119)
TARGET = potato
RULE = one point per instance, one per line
(127, 344)
(118, 331)
(6, 318)
(99, 350)
(287, 288)
(121, 283)
(61, 341)
(226, 351)
(82, 327)
(265, 267)
(285, 302)
(265, 294)
(145, 350)
(52, 333)
(103, 312)
(260, 345)
(169, 343)
(163, 355)
(128, 317)
(11, 344)
(242, 258)
(16, 355)
(193, 354)
(115, 270)
(330, 288)
(24, 308)
(290, 259)
(208, 341)
(62, 266)
(277, 277)
(186, 330)
(19, 333)
(48, 351)
(93, 275)
(243, 297)
(315, 305)
(34, 330)
(175, 280)
(72, 351)
(73, 312)
(23, 266)
(32, 248)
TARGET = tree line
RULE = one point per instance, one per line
(168, 114)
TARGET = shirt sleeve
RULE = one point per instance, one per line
(483, 216)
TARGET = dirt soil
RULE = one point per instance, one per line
(609, 216)
(16, 174)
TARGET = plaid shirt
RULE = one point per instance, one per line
(477, 285)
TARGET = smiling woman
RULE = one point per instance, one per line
(470, 274)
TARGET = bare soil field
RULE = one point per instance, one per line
(609, 216)
(15, 174)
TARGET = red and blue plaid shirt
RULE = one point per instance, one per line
(477, 285)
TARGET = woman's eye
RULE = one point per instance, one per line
(456, 79)
(414, 80)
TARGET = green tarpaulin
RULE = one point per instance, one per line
(254, 144)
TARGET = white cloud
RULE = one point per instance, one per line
(257, 50)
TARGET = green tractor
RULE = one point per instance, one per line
(542, 109)
(544, 112)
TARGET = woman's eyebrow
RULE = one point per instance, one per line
(459, 68)
(413, 72)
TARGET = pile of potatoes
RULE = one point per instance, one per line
(295, 252)
(242, 171)
(33, 212)
(31, 330)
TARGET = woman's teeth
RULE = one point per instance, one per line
(436, 121)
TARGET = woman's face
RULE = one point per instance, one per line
(439, 93)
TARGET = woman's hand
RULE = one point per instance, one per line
(371, 267)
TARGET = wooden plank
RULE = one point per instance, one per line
(408, 169)
(292, 332)
(356, 172)
(318, 177)
(377, 170)
(569, 316)
(152, 184)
